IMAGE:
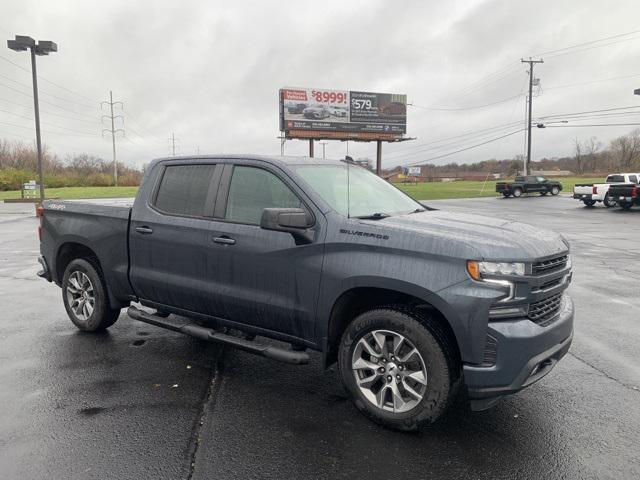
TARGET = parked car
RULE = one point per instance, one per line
(316, 112)
(393, 108)
(337, 111)
(529, 184)
(627, 195)
(411, 303)
(591, 193)
(297, 108)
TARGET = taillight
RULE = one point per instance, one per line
(594, 190)
(634, 191)
(40, 215)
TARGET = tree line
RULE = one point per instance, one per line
(622, 154)
(19, 164)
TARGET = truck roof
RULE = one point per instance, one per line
(273, 159)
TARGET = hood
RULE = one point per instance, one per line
(475, 236)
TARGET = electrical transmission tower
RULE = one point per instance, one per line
(113, 131)
(531, 62)
(172, 146)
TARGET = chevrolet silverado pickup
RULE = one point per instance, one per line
(415, 305)
(528, 184)
(591, 193)
(627, 194)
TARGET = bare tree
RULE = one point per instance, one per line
(591, 148)
(578, 156)
(625, 151)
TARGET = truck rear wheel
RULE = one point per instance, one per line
(609, 202)
(517, 192)
(589, 203)
(84, 294)
(555, 190)
(506, 194)
(398, 371)
(625, 205)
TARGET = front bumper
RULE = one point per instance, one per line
(526, 352)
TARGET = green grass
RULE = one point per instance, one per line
(465, 189)
(80, 192)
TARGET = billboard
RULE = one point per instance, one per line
(321, 113)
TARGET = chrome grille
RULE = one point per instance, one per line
(545, 311)
(550, 265)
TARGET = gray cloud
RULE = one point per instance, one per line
(210, 71)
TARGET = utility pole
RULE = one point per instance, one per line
(531, 62)
(323, 152)
(113, 132)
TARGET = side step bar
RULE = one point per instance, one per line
(194, 330)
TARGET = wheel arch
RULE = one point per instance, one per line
(358, 299)
(73, 249)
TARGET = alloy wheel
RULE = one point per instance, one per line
(80, 295)
(389, 371)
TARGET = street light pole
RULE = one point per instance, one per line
(36, 109)
(43, 47)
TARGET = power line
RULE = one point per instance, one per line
(48, 112)
(465, 108)
(594, 125)
(46, 79)
(464, 149)
(46, 131)
(588, 43)
(49, 94)
(46, 123)
(589, 111)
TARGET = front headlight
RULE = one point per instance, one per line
(569, 262)
(478, 269)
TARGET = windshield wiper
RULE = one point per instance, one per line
(374, 216)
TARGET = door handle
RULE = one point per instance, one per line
(224, 240)
(144, 230)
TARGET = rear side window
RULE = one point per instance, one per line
(254, 189)
(633, 178)
(615, 179)
(184, 189)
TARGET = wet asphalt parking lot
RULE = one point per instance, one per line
(140, 402)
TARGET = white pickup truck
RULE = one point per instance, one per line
(590, 193)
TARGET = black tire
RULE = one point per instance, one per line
(506, 194)
(609, 202)
(102, 315)
(544, 192)
(589, 203)
(517, 192)
(436, 355)
(555, 190)
(625, 205)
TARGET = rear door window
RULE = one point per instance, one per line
(633, 178)
(615, 179)
(252, 190)
(185, 190)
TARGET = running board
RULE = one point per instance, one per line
(194, 330)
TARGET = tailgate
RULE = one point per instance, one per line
(503, 187)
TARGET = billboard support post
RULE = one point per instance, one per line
(378, 157)
(311, 147)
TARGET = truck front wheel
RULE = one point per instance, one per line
(397, 371)
(84, 294)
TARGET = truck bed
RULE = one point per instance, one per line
(104, 227)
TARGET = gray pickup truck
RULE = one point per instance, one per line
(411, 303)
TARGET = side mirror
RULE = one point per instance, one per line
(291, 220)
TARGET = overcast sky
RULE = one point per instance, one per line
(210, 71)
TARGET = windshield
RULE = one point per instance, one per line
(368, 194)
